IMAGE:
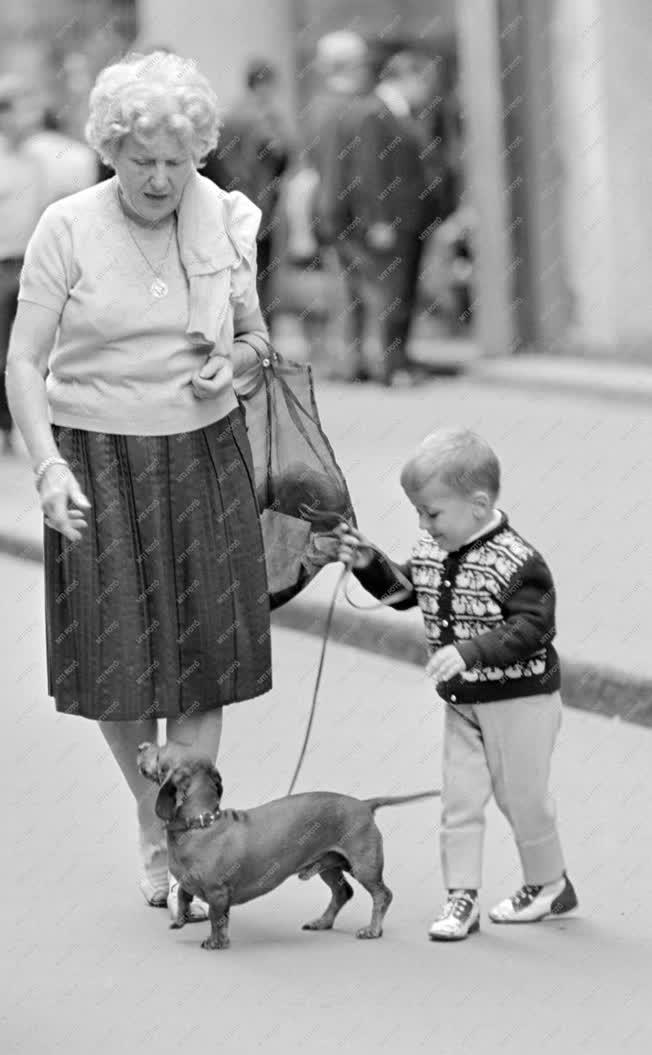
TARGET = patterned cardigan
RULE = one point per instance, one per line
(493, 599)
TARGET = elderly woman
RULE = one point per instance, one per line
(137, 308)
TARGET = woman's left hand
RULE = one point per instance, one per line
(207, 382)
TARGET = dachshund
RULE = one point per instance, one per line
(228, 857)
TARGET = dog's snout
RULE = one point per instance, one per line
(147, 760)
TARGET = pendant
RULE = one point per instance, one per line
(158, 288)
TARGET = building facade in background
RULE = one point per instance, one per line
(557, 95)
(555, 157)
(557, 165)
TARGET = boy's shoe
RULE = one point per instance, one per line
(459, 917)
(533, 903)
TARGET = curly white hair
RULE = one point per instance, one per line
(143, 93)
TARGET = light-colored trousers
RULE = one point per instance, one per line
(504, 748)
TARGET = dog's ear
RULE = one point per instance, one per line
(147, 761)
(172, 793)
(214, 774)
(204, 765)
(166, 801)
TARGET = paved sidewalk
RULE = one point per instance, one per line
(88, 967)
(576, 474)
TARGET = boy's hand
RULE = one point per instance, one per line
(445, 663)
(352, 547)
(344, 543)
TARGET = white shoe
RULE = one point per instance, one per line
(155, 894)
(155, 878)
(533, 903)
(459, 917)
(197, 910)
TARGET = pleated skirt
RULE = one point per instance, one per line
(162, 608)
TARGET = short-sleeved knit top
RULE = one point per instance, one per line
(121, 362)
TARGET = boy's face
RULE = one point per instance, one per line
(449, 517)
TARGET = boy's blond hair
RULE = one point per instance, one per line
(459, 458)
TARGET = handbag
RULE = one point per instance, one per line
(300, 488)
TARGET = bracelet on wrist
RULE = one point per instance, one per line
(46, 464)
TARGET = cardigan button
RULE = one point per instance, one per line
(446, 582)
(444, 622)
(453, 699)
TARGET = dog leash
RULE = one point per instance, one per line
(343, 580)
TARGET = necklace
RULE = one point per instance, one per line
(158, 288)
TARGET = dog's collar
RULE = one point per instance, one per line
(185, 824)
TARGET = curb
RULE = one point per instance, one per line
(593, 380)
(585, 686)
(600, 377)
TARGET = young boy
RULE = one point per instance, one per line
(488, 605)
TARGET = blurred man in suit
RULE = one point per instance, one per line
(385, 191)
(342, 65)
(254, 151)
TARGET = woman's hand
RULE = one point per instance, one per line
(207, 382)
(63, 502)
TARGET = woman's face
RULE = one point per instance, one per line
(152, 173)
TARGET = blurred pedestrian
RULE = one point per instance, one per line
(68, 165)
(342, 66)
(137, 300)
(446, 271)
(255, 147)
(390, 195)
(38, 166)
(342, 62)
(22, 199)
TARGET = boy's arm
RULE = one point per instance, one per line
(381, 580)
(529, 621)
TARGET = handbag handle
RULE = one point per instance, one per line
(263, 348)
(265, 355)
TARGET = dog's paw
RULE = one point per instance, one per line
(177, 924)
(368, 932)
(216, 943)
(318, 924)
(308, 873)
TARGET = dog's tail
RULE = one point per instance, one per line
(398, 800)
